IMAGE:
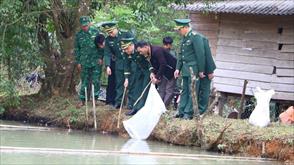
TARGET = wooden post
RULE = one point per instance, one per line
(86, 103)
(120, 108)
(242, 99)
(221, 103)
(94, 108)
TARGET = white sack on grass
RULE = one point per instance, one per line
(143, 122)
(261, 115)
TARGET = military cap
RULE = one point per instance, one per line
(109, 26)
(125, 42)
(181, 23)
(84, 20)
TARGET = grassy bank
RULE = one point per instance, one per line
(213, 133)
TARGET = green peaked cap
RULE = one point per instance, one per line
(181, 23)
(109, 26)
(125, 42)
(84, 20)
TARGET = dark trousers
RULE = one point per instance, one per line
(186, 105)
(203, 91)
(166, 90)
(132, 91)
(119, 86)
(110, 90)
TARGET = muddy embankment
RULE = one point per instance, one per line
(213, 133)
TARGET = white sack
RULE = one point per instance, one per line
(143, 122)
(261, 115)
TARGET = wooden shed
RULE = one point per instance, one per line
(251, 40)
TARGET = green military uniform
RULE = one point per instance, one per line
(191, 55)
(203, 84)
(130, 71)
(113, 51)
(86, 54)
(100, 67)
(142, 80)
(138, 74)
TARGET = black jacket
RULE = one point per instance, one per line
(163, 63)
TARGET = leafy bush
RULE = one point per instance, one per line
(8, 95)
(151, 27)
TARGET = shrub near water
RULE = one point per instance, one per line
(8, 95)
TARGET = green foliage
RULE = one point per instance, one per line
(19, 47)
(30, 29)
(8, 95)
(2, 110)
(72, 113)
(149, 26)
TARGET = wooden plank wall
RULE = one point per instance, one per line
(257, 48)
(208, 25)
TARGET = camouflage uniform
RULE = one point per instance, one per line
(87, 54)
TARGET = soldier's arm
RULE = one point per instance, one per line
(100, 53)
(210, 65)
(107, 53)
(179, 62)
(127, 66)
(200, 52)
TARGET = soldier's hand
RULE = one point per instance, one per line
(126, 83)
(177, 73)
(201, 75)
(108, 71)
(79, 67)
(152, 76)
(210, 76)
(155, 81)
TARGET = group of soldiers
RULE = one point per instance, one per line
(132, 66)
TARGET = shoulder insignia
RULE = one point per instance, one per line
(123, 30)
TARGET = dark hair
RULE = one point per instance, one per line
(141, 44)
(99, 39)
(167, 40)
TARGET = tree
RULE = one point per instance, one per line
(43, 32)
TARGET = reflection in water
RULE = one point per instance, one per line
(139, 146)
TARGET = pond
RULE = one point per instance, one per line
(25, 144)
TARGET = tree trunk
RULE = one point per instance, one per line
(60, 68)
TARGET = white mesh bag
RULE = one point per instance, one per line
(143, 122)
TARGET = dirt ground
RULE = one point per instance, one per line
(213, 133)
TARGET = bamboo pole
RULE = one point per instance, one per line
(94, 108)
(120, 108)
(242, 99)
(142, 93)
(86, 103)
(20, 127)
(113, 152)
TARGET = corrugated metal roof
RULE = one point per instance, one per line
(266, 7)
